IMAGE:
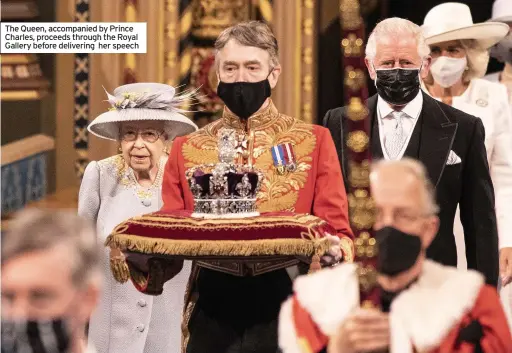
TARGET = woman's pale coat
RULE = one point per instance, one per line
(127, 321)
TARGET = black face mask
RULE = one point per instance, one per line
(398, 251)
(43, 336)
(244, 98)
(398, 86)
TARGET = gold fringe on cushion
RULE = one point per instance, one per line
(229, 248)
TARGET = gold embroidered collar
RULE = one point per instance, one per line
(260, 120)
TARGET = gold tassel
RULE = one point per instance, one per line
(118, 266)
(315, 264)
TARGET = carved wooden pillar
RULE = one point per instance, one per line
(361, 207)
(170, 44)
(295, 94)
(106, 71)
(130, 59)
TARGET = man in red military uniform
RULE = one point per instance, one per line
(226, 311)
(426, 306)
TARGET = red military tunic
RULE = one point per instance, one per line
(227, 311)
(315, 187)
(426, 317)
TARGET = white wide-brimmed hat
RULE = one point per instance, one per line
(502, 11)
(143, 102)
(453, 21)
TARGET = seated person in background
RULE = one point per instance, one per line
(51, 279)
(423, 306)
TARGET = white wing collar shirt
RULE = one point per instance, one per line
(396, 127)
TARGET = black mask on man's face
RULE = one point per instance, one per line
(398, 251)
(398, 86)
(244, 98)
(36, 336)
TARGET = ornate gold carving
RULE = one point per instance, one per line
(365, 245)
(350, 14)
(356, 110)
(213, 16)
(352, 45)
(307, 55)
(171, 59)
(170, 31)
(360, 174)
(354, 79)
(361, 207)
(307, 83)
(367, 277)
(307, 26)
(357, 141)
(171, 5)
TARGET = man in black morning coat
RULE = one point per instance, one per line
(405, 121)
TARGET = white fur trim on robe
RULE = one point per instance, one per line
(421, 316)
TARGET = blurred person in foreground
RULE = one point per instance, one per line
(143, 119)
(51, 280)
(425, 306)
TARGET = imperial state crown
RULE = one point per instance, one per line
(225, 189)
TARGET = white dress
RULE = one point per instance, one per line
(505, 292)
(489, 101)
(127, 321)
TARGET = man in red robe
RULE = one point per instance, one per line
(227, 311)
(426, 307)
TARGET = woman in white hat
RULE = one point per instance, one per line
(459, 50)
(143, 118)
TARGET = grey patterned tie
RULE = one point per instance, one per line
(396, 137)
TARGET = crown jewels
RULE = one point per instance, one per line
(225, 189)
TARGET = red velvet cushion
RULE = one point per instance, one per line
(178, 234)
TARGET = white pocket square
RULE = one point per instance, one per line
(453, 159)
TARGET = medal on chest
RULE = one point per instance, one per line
(284, 158)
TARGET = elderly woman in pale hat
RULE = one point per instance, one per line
(144, 117)
(459, 50)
